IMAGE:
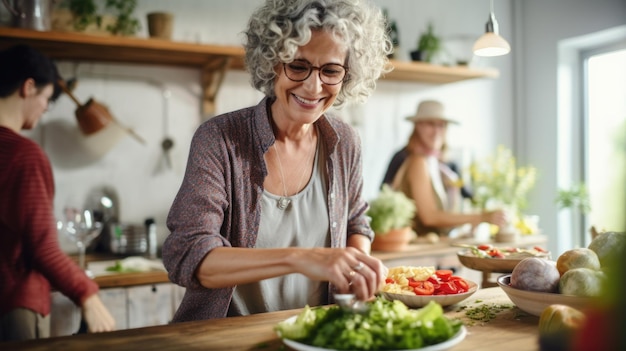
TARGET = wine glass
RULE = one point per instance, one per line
(80, 226)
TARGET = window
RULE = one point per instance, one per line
(604, 135)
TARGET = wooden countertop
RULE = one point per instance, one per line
(119, 280)
(450, 246)
(442, 248)
(510, 328)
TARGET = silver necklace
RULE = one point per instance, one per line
(283, 202)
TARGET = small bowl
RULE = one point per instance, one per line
(494, 265)
(534, 302)
(417, 301)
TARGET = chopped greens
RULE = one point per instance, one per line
(485, 312)
(388, 325)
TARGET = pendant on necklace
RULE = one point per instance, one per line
(283, 202)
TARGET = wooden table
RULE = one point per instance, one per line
(511, 329)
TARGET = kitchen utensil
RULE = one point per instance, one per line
(167, 143)
(93, 116)
(104, 202)
(31, 14)
(152, 237)
(348, 302)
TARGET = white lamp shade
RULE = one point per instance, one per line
(491, 44)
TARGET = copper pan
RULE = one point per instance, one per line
(94, 116)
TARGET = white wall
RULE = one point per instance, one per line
(546, 124)
(135, 96)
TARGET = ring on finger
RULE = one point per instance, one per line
(359, 266)
(351, 274)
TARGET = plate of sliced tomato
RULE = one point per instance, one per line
(497, 259)
(443, 287)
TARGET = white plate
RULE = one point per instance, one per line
(457, 338)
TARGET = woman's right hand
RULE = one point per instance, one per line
(349, 269)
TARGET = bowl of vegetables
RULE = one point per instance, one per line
(497, 259)
(385, 325)
(418, 286)
(534, 302)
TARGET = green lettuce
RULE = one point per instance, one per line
(387, 325)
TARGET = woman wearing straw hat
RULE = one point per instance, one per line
(426, 180)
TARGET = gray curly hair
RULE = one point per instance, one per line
(279, 27)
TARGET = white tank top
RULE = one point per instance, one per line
(304, 223)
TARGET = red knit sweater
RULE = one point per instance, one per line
(30, 257)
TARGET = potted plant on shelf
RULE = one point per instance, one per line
(84, 13)
(428, 45)
(125, 24)
(85, 16)
(391, 214)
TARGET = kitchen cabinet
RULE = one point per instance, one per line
(131, 307)
(213, 61)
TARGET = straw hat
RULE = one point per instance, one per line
(429, 110)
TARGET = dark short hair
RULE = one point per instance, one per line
(20, 62)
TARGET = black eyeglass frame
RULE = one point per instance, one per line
(319, 72)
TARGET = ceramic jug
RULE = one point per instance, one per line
(31, 14)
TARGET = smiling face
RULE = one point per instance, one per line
(304, 102)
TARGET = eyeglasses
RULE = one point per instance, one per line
(330, 73)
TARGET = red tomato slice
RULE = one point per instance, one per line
(433, 279)
(444, 274)
(460, 283)
(448, 288)
(495, 253)
(484, 247)
(389, 281)
(413, 283)
(425, 288)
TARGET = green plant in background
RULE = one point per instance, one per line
(392, 31)
(84, 12)
(576, 197)
(429, 44)
(125, 23)
(499, 181)
(390, 210)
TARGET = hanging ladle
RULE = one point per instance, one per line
(93, 116)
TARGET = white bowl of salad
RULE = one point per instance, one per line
(417, 286)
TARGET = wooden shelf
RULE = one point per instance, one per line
(212, 60)
(428, 73)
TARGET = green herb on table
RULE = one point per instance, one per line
(485, 312)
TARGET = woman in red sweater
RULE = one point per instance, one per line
(31, 260)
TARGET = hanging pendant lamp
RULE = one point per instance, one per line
(491, 43)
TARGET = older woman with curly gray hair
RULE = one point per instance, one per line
(270, 215)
